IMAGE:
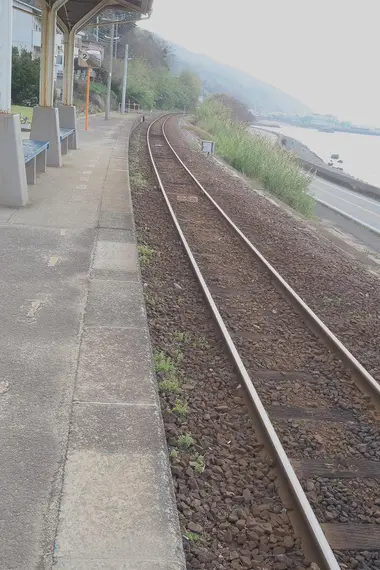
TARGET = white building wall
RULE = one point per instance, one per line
(26, 32)
(22, 30)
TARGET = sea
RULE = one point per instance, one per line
(360, 153)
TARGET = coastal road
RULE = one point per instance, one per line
(363, 208)
(333, 198)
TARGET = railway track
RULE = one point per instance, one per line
(301, 382)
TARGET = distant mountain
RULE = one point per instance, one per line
(219, 78)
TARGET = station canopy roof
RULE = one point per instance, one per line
(74, 10)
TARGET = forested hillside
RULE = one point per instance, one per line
(215, 77)
(151, 82)
(219, 78)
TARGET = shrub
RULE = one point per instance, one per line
(257, 157)
(25, 78)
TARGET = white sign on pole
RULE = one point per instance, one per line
(208, 147)
(90, 58)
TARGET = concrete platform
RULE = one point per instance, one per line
(85, 477)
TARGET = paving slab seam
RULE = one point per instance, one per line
(80, 336)
(66, 452)
(61, 473)
(73, 402)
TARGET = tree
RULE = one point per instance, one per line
(151, 83)
(25, 78)
(239, 111)
(144, 45)
(141, 86)
(191, 86)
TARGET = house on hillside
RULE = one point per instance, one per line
(26, 29)
(26, 32)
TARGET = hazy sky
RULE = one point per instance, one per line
(325, 52)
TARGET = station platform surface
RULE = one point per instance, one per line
(85, 477)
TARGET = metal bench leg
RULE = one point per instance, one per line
(41, 161)
(65, 146)
(72, 144)
(30, 168)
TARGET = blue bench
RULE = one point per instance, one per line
(67, 139)
(35, 153)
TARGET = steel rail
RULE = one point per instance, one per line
(315, 531)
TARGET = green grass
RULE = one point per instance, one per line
(163, 364)
(193, 537)
(164, 367)
(178, 355)
(169, 385)
(185, 441)
(146, 254)
(180, 408)
(200, 132)
(181, 337)
(26, 111)
(201, 342)
(199, 464)
(98, 88)
(137, 180)
(150, 300)
(257, 157)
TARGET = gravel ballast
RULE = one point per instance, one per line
(230, 512)
(338, 288)
(292, 370)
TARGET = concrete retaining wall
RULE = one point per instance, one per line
(340, 178)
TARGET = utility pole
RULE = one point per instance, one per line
(108, 102)
(97, 29)
(116, 38)
(125, 74)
